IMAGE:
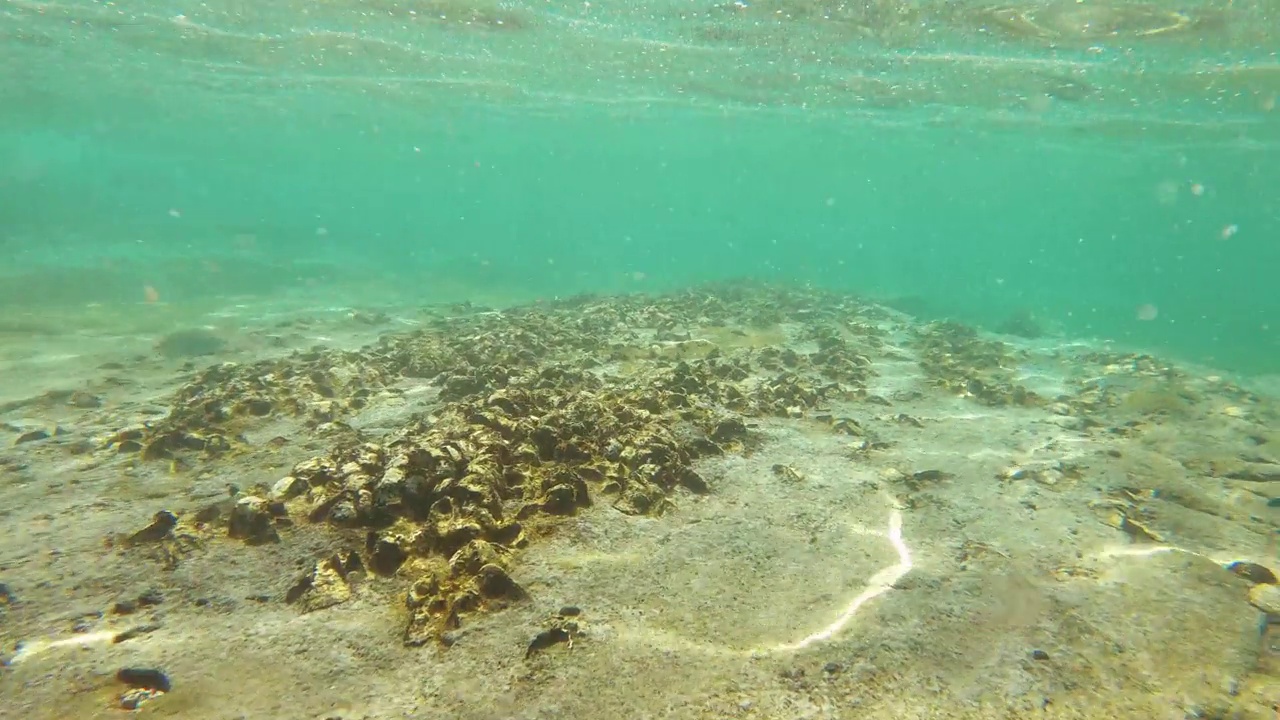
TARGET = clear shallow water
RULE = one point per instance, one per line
(1073, 162)
(278, 173)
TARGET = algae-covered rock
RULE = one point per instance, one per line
(190, 343)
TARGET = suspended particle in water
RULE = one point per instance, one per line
(150, 294)
(1197, 189)
(175, 213)
(1228, 231)
(1147, 312)
(1167, 192)
(1039, 103)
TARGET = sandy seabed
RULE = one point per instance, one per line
(782, 504)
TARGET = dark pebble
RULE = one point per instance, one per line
(145, 678)
(1253, 572)
(831, 668)
(1039, 655)
(570, 611)
(134, 632)
(149, 598)
(1274, 502)
(125, 607)
(31, 436)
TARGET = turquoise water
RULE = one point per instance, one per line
(253, 437)
(924, 157)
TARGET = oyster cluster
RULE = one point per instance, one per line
(958, 361)
(539, 412)
(528, 416)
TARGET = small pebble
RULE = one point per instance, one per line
(134, 632)
(1039, 655)
(133, 698)
(1253, 572)
(144, 678)
(31, 436)
(1265, 597)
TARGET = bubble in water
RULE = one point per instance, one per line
(1147, 312)
(1167, 192)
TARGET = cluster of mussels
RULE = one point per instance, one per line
(541, 412)
(957, 360)
(446, 499)
(544, 410)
